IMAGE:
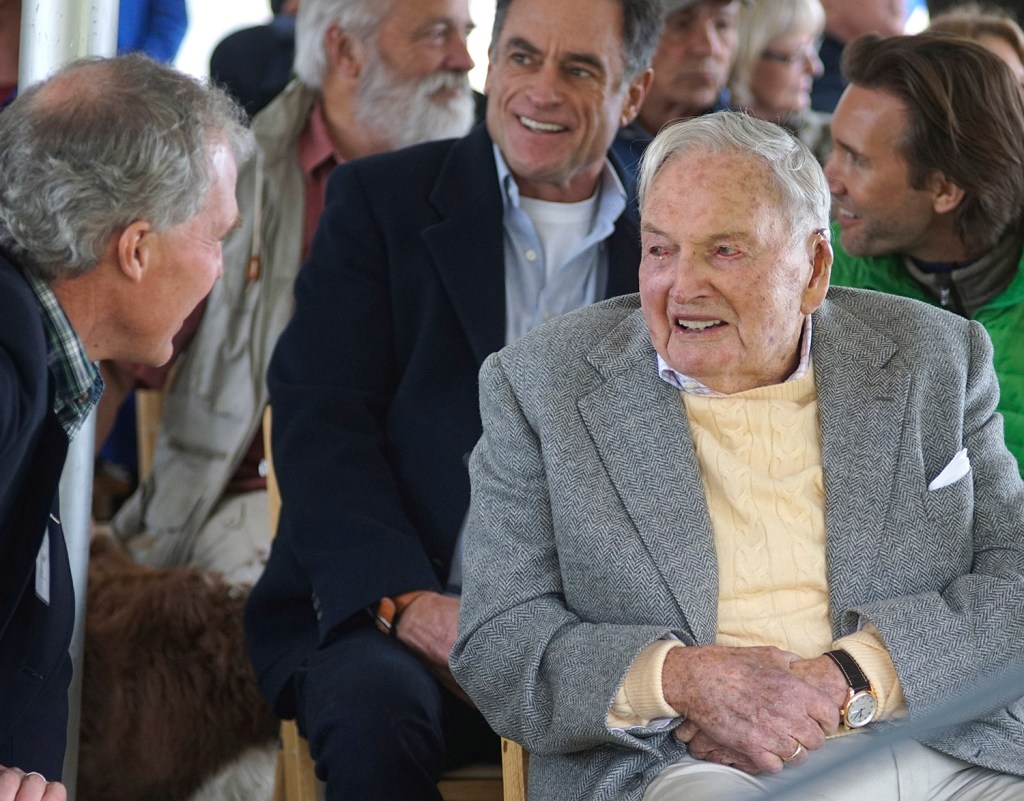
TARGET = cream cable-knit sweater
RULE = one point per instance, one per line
(760, 458)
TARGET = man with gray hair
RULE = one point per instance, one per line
(425, 261)
(373, 75)
(716, 524)
(692, 63)
(117, 185)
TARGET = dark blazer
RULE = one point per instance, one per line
(34, 665)
(255, 64)
(374, 389)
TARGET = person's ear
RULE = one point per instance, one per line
(635, 94)
(134, 249)
(821, 271)
(946, 195)
(343, 51)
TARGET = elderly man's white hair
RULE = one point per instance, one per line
(359, 18)
(792, 168)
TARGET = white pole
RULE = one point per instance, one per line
(53, 33)
(76, 508)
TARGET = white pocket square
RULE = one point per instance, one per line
(958, 467)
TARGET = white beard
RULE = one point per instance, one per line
(402, 112)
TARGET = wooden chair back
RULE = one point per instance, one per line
(514, 763)
(149, 407)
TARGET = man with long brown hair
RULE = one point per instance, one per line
(927, 181)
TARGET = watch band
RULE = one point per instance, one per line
(851, 670)
(388, 610)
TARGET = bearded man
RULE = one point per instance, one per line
(372, 76)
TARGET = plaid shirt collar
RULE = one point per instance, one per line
(694, 387)
(78, 382)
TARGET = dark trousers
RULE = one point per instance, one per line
(380, 727)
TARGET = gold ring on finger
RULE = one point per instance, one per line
(795, 754)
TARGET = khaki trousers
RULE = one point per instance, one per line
(906, 772)
(235, 540)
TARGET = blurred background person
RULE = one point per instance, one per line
(691, 66)
(367, 82)
(153, 27)
(936, 7)
(990, 27)
(254, 64)
(776, 63)
(845, 20)
(10, 39)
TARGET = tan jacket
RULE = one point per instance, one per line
(214, 407)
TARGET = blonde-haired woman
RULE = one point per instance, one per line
(776, 63)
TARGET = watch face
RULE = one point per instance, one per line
(860, 710)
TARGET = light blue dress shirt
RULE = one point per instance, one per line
(535, 292)
(531, 296)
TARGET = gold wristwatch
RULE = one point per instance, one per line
(861, 704)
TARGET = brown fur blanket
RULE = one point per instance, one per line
(169, 696)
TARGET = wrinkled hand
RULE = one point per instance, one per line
(822, 672)
(16, 785)
(746, 706)
(703, 747)
(428, 627)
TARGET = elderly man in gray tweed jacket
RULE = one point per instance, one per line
(724, 530)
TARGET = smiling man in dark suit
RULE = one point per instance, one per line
(426, 261)
(107, 242)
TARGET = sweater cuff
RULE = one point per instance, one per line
(868, 648)
(640, 699)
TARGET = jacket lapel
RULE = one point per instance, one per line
(624, 243)
(623, 257)
(861, 408)
(639, 428)
(467, 243)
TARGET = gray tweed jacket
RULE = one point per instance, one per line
(589, 533)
